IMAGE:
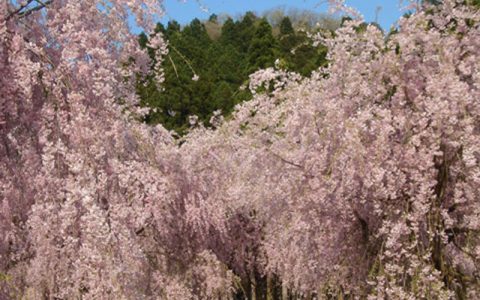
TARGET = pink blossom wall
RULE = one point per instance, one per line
(361, 181)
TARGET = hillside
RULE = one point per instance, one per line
(222, 54)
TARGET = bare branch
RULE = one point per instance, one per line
(40, 5)
(18, 10)
(287, 161)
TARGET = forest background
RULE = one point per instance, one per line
(220, 53)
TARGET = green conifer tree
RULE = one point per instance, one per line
(263, 49)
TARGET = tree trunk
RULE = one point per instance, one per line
(269, 287)
(284, 292)
(253, 288)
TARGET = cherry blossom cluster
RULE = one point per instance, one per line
(360, 181)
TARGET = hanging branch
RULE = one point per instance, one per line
(184, 59)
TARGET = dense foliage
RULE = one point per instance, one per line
(220, 65)
(360, 181)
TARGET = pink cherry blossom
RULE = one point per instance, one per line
(361, 181)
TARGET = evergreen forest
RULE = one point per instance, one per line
(208, 63)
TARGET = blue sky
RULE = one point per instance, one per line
(185, 11)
